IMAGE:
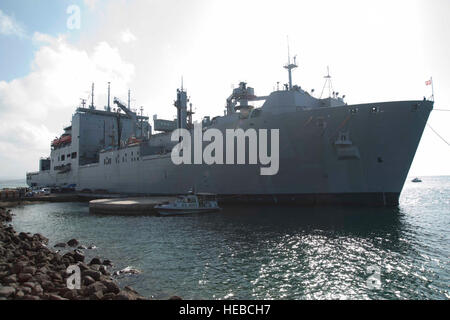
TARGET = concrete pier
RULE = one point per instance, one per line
(127, 206)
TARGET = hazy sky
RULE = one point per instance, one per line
(377, 51)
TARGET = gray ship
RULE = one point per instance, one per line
(329, 152)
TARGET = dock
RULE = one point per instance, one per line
(127, 206)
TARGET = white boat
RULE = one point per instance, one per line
(188, 204)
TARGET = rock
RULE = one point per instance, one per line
(3, 275)
(62, 291)
(43, 258)
(18, 266)
(95, 267)
(40, 238)
(87, 280)
(37, 290)
(43, 269)
(78, 256)
(57, 259)
(47, 285)
(7, 291)
(96, 296)
(29, 284)
(36, 246)
(69, 256)
(24, 277)
(107, 262)
(25, 236)
(71, 295)
(30, 254)
(29, 269)
(73, 242)
(103, 270)
(95, 260)
(10, 279)
(175, 298)
(108, 296)
(26, 290)
(56, 276)
(134, 293)
(53, 296)
(93, 274)
(128, 293)
(96, 287)
(41, 278)
(122, 296)
(111, 286)
(83, 266)
(130, 289)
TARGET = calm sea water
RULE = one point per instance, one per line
(17, 183)
(271, 252)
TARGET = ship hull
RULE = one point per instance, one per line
(370, 169)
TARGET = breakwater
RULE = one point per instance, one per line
(30, 270)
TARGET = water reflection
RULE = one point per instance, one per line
(263, 252)
(289, 252)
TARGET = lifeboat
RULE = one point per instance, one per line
(64, 139)
(55, 142)
(133, 140)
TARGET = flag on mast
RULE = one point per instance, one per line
(429, 82)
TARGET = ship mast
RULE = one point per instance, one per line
(129, 99)
(92, 98)
(327, 81)
(289, 66)
(142, 120)
(109, 97)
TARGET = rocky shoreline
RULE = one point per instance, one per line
(29, 270)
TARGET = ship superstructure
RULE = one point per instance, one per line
(329, 151)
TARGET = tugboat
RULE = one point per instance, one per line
(416, 180)
(188, 204)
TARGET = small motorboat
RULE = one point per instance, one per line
(188, 204)
(416, 180)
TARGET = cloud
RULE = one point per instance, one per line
(127, 36)
(91, 4)
(9, 26)
(35, 108)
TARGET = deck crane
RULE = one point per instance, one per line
(131, 114)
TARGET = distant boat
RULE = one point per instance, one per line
(416, 180)
(193, 203)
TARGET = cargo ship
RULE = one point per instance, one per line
(330, 152)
